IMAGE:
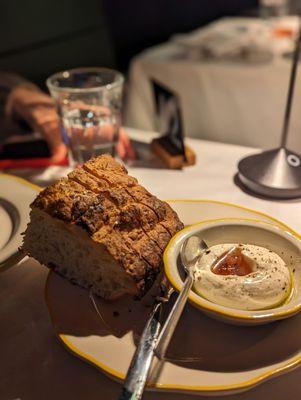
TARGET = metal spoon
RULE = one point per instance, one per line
(138, 371)
(191, 251)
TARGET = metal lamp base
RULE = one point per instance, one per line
(273, 173)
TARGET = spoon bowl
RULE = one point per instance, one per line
(191, 251)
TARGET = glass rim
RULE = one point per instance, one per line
(108, 86)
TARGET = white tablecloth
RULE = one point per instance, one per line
(230, 102)
(211, 178)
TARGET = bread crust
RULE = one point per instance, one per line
(131, 224)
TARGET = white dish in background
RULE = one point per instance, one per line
(227, 359)
(236, 230)
(16, 194)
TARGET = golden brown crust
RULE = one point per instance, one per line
(106, 163)
(133, 226)
(114, 179)
(90, 182)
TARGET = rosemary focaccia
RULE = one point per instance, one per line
(101, 230)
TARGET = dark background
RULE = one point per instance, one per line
(38, 38)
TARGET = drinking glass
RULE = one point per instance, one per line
(89, 103)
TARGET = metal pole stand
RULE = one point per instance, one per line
(276, 173)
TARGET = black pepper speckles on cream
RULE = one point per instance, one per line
(266, 286)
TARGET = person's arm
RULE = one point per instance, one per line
(27, 102)
(9, 81)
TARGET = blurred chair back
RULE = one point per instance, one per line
(38, 38)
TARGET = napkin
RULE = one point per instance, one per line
(236, 38)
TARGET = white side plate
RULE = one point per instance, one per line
(16, 194)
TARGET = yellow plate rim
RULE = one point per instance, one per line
(293, 363)
(21, 180)
(248, 384)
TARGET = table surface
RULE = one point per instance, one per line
(34, 365)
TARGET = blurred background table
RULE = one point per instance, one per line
(34, 365)
(237, 102)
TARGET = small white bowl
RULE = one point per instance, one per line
(235, 230)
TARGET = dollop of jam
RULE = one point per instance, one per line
(232, 262)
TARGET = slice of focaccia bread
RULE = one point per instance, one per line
(101, 230)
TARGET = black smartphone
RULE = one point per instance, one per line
(35, 148)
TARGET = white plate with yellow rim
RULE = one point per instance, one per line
(16, 194)
(205, 356)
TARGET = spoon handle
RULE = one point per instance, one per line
(14, 259)
(137, 374)
(173, 319)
